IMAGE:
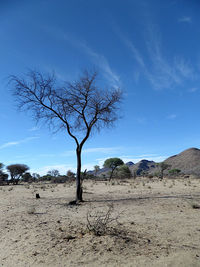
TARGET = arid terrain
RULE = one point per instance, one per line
(158, 224)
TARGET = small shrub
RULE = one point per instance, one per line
(123, 171)
(43, 187)
(10, 188)
(99, 223)
(174, 172)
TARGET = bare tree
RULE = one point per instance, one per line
(53, 173)
(77, 107)
(163, 166)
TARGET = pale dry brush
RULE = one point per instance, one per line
(101, 222)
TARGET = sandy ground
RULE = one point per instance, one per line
(157, 225)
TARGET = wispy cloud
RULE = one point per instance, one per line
(33, 129)
(141, 120)
(171, 116)
(68, 153)
(16, 143)
(103, 64)
(165, 73)
(193, 89)
(160, 71)
(184, 68)
(104, 150)
(98, 59)
(186, 19)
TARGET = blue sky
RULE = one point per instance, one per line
(150, 49)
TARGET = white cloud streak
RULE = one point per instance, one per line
(104, 150)
(99, 60)
(171, 116)
(33, 129)
(193, 90)
(159, 71)
(186, 19)
(16, 143)
(103, 64)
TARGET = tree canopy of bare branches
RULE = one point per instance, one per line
(77, 107)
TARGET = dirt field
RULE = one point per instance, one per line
(157, 224)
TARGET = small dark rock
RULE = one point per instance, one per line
(69, 237)
(37, 195)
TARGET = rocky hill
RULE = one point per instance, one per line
(187, 161)
(143, 166)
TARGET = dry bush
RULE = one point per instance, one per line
(101, 222)
(43, 187)
(10, 188)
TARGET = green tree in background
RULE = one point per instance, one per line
(112, 163)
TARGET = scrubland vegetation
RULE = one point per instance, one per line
(133, 222)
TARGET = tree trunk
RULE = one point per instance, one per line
(111, 174)
(79, 190)
(162, 171)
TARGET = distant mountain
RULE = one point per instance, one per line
(130, 163)
(100, 171)
(143, 166)
(187, 161)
